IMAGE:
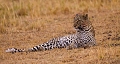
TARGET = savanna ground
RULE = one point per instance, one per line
(26, 23)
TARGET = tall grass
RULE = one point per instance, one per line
(12, 11)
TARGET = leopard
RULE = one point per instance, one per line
(83, 38)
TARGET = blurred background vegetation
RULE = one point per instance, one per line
(12, 12)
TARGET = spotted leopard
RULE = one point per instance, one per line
(84, 37)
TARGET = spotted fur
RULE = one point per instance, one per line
(84, 37)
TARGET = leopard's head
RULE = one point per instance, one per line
(81, 21)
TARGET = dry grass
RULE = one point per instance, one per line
(17, 13)
(25, 23)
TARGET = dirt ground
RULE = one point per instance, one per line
(107, 51)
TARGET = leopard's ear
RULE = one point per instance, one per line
(86, 16)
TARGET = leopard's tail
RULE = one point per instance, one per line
(51, 44)
(41, 47)
(14, 50)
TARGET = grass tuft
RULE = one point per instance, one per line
(2, 29)
(22, 12)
